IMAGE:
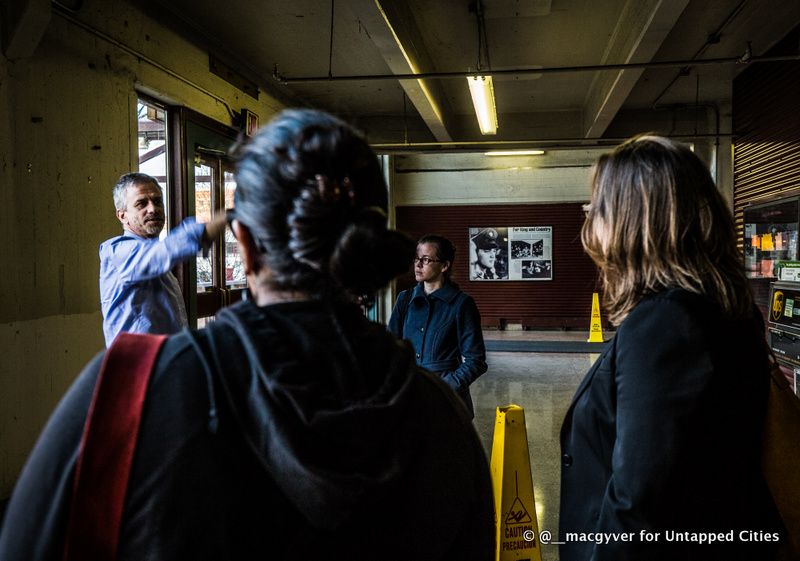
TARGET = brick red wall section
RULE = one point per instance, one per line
(564, 302)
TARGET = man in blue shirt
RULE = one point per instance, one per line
(138, 293)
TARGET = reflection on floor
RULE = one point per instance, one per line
(543, 384)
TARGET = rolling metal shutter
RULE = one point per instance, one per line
(766, 150)
(766, 154)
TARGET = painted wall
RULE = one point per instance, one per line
(67, 132)
(463, 179)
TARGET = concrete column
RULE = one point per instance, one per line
(724, 164)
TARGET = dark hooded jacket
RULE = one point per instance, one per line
(292, 431)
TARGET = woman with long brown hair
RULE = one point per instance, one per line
(661, 444)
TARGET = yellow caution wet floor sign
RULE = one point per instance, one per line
(596, 327)
(514, 506)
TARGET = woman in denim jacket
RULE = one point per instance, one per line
(440, 321)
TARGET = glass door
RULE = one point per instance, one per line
(219, 271)
(204, 186)
(235, 281)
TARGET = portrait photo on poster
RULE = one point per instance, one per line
(511, 253)
(488, 254)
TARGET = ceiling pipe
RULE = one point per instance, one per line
(75, 6)
(744, 59)
(473, 145)
(143, 58)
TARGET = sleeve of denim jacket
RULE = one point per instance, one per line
(395, 327)
(471, 347)
(135, 260)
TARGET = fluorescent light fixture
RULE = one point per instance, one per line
(482, 92)
(514, 153)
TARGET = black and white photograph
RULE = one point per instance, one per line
(488, 249)
(523, 249)
(536, 269)
(511, 253)
(531, 253)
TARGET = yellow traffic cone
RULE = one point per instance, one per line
(596, 327)
(514, 506)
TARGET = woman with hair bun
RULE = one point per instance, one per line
(291, 427)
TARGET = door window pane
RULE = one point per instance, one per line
(234, 267)
(152, 140)
(203, 183)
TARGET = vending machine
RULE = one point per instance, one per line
(784, 323)
(771, 263)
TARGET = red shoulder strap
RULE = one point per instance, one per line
(107, 447)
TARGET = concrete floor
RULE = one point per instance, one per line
(543, 384)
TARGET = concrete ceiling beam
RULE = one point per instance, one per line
(642, 27)
(24, 23)
(394, 32)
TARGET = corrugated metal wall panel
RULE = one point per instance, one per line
(767, 146)
(766, 152)
(564, 302)
(766, 159)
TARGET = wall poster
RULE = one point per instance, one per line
(511, 253)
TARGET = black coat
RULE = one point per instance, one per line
(663, 436)
(292, 431)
